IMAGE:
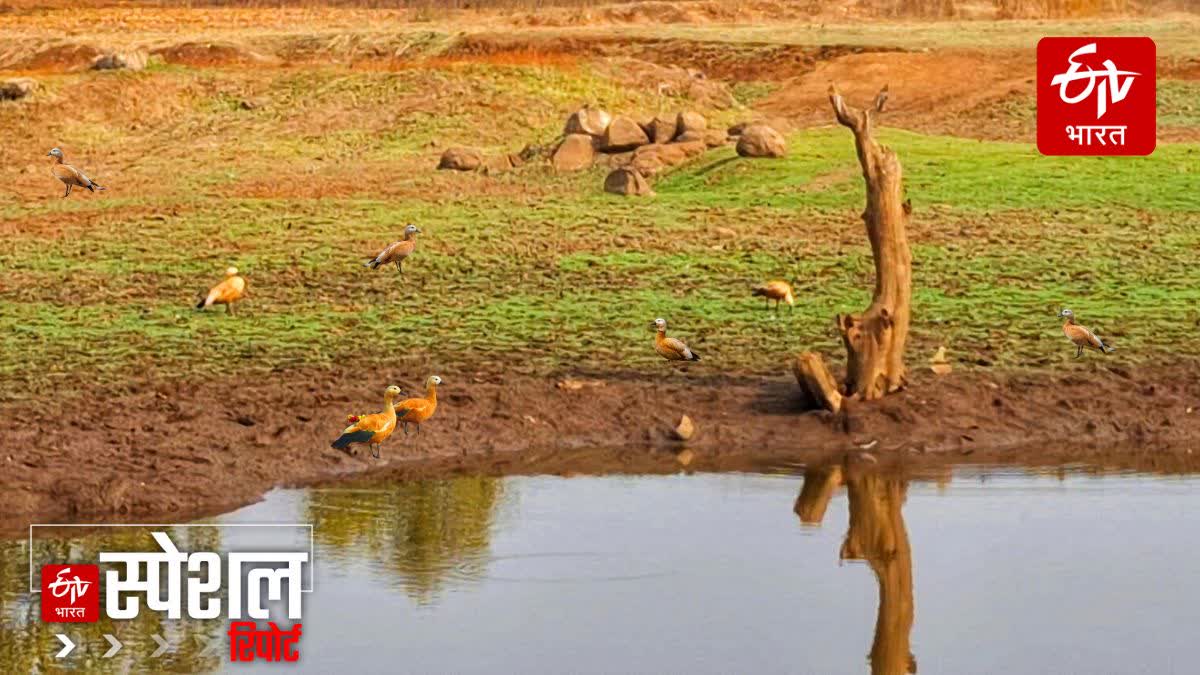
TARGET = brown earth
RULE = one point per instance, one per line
(178, 450)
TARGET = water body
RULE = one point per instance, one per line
(978, 571)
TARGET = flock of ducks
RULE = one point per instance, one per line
(372, 430)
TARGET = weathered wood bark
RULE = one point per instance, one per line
(875, 338)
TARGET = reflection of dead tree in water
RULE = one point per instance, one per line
(875, 338)
(877, 535)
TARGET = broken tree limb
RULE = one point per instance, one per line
(874, 338)
(817, 381)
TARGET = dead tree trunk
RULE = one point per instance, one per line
(875, 338)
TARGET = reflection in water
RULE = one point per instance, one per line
(423, 533)
(877, 535)
(28, 645)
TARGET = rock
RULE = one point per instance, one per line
(497, 164)
(690, 121)
(461, 159)
(685, 429)
(711, 138)
(760, 140)
(651, 159)
(627, 181)
(577, 151)
(737, 129)
(623, 134)
(939, 364)
(685, 457)
(134, 60)
(661, 130)
(17, 88)
(588, 120)
(715, 138)
(725, 233)
(249, 104)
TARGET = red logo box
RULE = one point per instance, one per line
(1095, 96)
(70, 593)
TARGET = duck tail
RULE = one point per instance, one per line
(1107, 349)
(695, 357)
(93, 186)
(373, 264)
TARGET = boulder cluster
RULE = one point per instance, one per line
(635, 149)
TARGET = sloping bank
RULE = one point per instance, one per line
(180, 450)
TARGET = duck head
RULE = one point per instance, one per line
(1066, 314)
(56, 153)
(432, 382)
(659, 325)
(393, 391)
(411, 231)
(231, 271)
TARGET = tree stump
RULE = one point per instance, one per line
(875, 338)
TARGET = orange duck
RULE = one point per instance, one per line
(670, 348)
(229, 291)
(1081, 337)
(371, 429)
(397, 251)
(417, 410)
(779, 291)
(69, 175)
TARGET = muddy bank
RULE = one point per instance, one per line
(176, 450)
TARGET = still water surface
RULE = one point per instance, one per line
(983, 571)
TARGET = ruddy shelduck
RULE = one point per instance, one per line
(69, 175)
(371, 429)
(397, 251)
(418, 410)
(1081, 337)
(229, 291)
(671, 348)
(779, 291)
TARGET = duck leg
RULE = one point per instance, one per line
(399, 267)
(229, 308)
(68, 192)
(1078, 351)
(375, 451)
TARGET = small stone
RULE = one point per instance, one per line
(461, 159)
(685, 429)
(627, 181)
(685, 457)
(760, 140)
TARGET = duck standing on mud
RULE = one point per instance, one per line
(371, 429)
(779, 291)
(1081, 337)
(417, 410)
(671, 349)
(397, 251)
(69, 175)
(229, 291)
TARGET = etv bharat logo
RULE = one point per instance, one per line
(162, 581)
(70, 593)
(1087, 104)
